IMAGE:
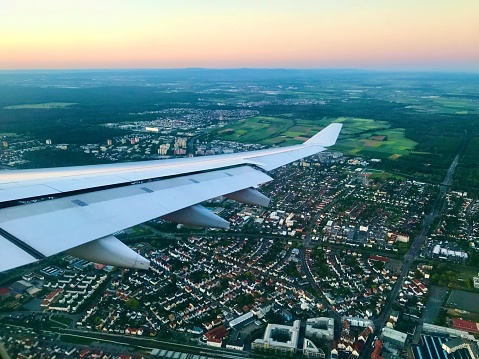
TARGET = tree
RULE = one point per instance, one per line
(132, 303)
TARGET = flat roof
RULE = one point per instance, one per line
(464, 301)
(431, 348)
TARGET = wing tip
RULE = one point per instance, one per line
(327, 136)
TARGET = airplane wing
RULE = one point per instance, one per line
(78, 209)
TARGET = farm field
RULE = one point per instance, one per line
(394, 145)
(260, 129)
(359, 135)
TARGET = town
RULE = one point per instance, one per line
(311, 274)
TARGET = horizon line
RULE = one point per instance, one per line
(326, 69)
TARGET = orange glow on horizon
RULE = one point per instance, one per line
(303, 34)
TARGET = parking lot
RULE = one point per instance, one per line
(434, 304)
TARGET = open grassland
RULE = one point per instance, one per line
(43, 106)
(359, 135)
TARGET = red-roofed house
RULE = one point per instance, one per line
(376, 354)
(466, 325)
(378, 258)
(51, 297)
(215, 336)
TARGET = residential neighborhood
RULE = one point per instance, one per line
(325, 256)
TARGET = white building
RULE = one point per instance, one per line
(240, 319)
(476, 281)
(394, 337)
(261, 310)
(359, 322)
(460, 343)
(279, 338)
(320, 328)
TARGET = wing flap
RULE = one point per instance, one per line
(12, 192)
(56, 225)
(13, 256)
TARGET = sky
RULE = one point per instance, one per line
(432, 35)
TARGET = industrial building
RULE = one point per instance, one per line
(456, 344)
(443, 347)
(436, 329)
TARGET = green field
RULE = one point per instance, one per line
(458, 106)
(395, 146)
(356, 136)
(356, 126)
(260, 129)
(382, 175)
(43, 106)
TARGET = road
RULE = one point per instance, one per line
(307, 241)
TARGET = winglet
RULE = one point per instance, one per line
(326, 137)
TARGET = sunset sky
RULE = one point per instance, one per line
(363, 34)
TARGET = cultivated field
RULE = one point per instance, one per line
(394, 146)
(359, 135)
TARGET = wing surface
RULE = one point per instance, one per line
(48, 211)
